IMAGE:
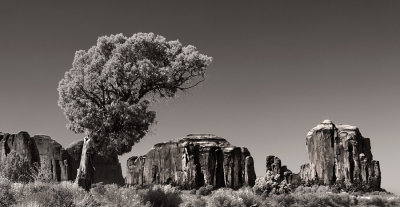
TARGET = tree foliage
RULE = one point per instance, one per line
(107, 92)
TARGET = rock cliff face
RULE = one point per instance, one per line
(107, 168)
(40, 149)
(191, 162)
(53, 158)
(20, 143)
(74, 151)
(340, 154)
(60, 163)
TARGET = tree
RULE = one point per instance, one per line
(107, 92)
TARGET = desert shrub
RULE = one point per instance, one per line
(55, 196)
(28, 193)
(16, 169)
(317, 196)
(228, 197)
(17, 190)
(194, 201)
(282, 200)
(81, 197)
(166, 196)
(224, 197)
(64, 194)
(6, 197)
(98, 189)
(381, 200)
(354, 186)
(42, 175)
(41, 194)
(193, 191)
(113, 195)
(394, 201)
(205, 190)
(271, 184)
(313, 189)
(310, 200)
(249, 197)
(377, 201)
(261, 185)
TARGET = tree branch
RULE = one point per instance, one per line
(194, 85)
(93, 99)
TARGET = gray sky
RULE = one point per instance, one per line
(279, 69)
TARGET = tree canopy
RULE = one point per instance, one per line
(107, 92)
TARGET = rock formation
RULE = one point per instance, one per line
(53, 158)
(20, 143)
(74, 151)
(107, 168)
(340, 154)
(280, 172)
(191, 162)
(277, 178)
(61, 164)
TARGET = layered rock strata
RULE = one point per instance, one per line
(340, 154)
(191, 162)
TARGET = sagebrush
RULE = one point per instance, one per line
(67, 194)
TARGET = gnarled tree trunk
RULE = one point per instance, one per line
(84, 176)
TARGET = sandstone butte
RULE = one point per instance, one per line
(60, 163)
(338, 154)
(193, 161)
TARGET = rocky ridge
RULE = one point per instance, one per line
(338, 155)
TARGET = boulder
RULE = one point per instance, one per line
(191, 162)
(340, 154)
